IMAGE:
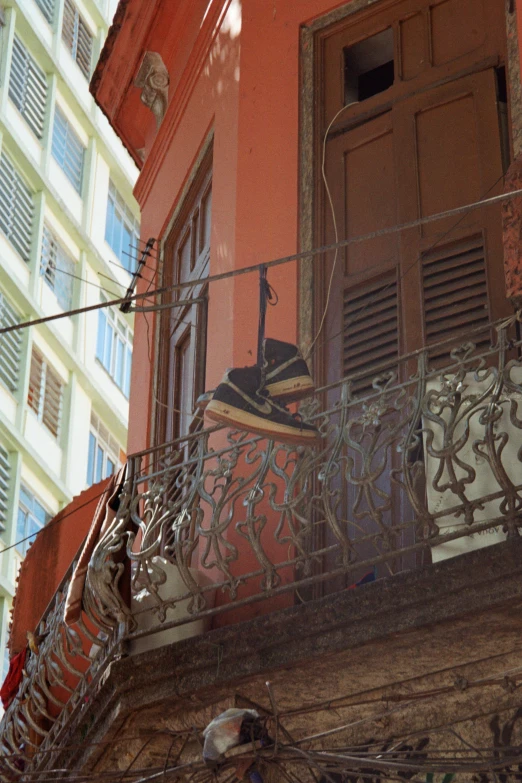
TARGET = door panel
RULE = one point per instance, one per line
(395, 293)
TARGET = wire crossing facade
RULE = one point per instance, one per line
(355, 587)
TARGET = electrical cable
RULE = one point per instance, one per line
(334, 221)
(301, 256)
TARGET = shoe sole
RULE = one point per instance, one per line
(292, 389)
(235, 417)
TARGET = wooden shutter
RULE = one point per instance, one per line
(45, 393)
(52, 412)
(370, 330)
(35, 381)
(455, 291)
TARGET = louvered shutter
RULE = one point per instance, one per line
(5, 470)
(52, 412)
(34, 393)
(77, 37)
(10, 346)
(28, 88)
(47, 7)
(370, 331)
(455, 293)
(45, 393)
(16, 208)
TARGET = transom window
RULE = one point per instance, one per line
(122, 230)
(57, 269)
(28, 87)
(77, 37)
(104, 451)
(45, 395)
(32, 517)
(114, 347)
(68, 150)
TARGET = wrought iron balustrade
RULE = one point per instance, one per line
(423, 456)
(419, 462)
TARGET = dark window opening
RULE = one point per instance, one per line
(369, 67)
(503, 120)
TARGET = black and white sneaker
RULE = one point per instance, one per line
(286, 374)
(238, 403)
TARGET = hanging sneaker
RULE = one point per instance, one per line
(286, 372)
(238, 403)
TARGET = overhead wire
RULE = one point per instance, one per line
(301, 256)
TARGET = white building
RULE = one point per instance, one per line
(68, 232)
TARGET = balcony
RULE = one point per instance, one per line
(417, 464)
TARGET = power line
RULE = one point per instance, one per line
(301, 256)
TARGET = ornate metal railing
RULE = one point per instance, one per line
(418, 463)
(59, 671)
(408, 469)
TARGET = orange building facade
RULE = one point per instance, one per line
(244, 90)
(366, 147)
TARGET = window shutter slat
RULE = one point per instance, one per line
(47, 7)
(28, 88)
(16, 208)
(370, 336)
(45, 394)
(10, 346)
(77, 37)
(455, 292)
(5, 471)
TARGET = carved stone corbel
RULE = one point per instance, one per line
(153, 80)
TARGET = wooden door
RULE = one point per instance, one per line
(425, 137)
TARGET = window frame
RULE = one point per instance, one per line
(52, 262)
(116, 333)
(118, 213)
(110, 452)
(187, 233)
(23, 545)
(63, 150)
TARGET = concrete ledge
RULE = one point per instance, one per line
(465, 586)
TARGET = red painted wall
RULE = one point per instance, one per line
(246, 88)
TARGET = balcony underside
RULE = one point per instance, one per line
(445, 627)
